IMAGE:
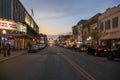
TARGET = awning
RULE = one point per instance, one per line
(115, 35)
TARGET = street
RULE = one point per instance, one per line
(55, 63)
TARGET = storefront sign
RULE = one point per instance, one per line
(8, 25)
(12, 26)
(27, 19)
(21, 27)
(24, 29)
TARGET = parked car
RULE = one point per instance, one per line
(100, 50)
(41, 46)
(114, 53)
(90, 50)
(83, 48)
(33, 48)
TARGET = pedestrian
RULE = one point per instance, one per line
(29, 46)
(8, 49)
(4, 49)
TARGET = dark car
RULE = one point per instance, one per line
(114, 53)
(33, 48)
(99, 50)
(90, 50)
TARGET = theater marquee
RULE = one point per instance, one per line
(8, 25)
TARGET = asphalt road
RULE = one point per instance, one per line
(55, 63)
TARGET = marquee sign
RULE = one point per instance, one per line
(8, 25)
(12, 26)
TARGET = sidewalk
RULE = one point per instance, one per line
(12, 55)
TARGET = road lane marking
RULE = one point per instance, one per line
(85, 74)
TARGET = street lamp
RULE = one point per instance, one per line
(89, 40)
(4, 33)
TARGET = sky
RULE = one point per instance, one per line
(57, 17)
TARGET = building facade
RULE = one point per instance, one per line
(94, 29)
(20, 27)
(80, 26)
(86, 33)
(75, 33)
(109, 27)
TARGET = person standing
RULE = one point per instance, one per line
(8, 49)
(4, 49)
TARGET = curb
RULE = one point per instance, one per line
(7, 58)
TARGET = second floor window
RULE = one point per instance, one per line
(107, 25)
(115, 22)
(101, 27)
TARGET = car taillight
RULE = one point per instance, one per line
(109, 49)
(100, 49)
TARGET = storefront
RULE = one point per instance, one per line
(111, 39)
(15, 34)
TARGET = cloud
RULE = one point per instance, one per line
(54, 9)
(58, 16)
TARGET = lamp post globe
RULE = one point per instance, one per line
(4, 31)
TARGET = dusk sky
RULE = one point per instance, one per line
(56, 17)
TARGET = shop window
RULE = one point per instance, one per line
(115, 22)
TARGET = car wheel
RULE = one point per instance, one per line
(110, 56)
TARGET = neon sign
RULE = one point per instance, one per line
(8, 25)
